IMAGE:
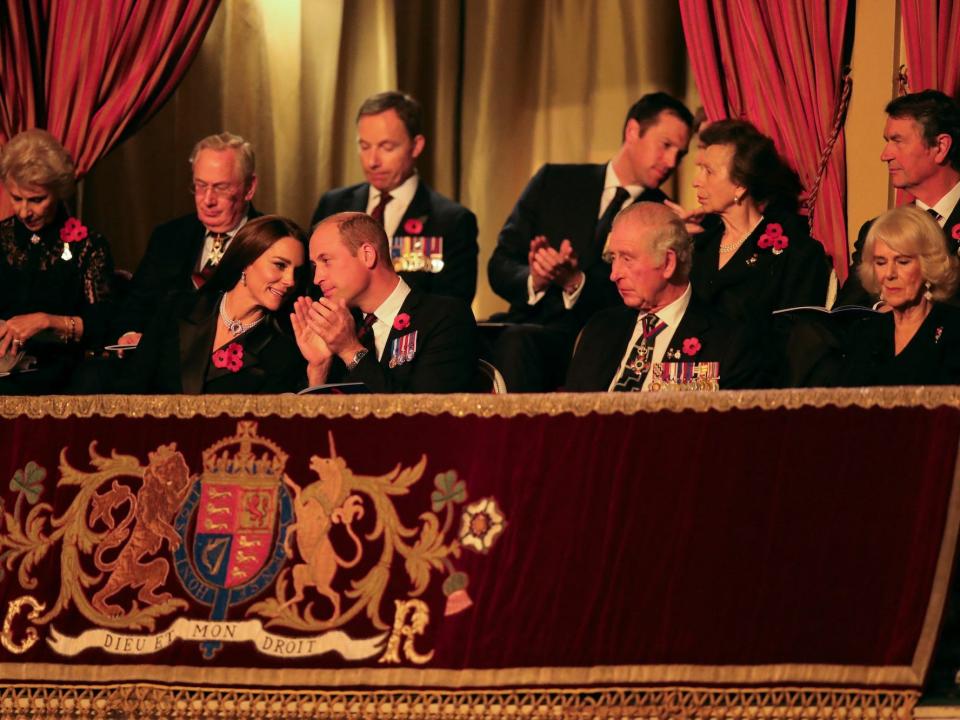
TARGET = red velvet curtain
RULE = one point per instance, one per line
(780, 65)
(931, 30)
(93, 72)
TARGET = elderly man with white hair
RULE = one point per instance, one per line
(661, 337)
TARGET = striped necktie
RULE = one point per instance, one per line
(638, 364)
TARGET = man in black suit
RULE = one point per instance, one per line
(407, 341)
(434, 239)
(182, 253)
(660, 321)
(548, 260)
(922, 153)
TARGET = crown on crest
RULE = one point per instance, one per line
(219, 464)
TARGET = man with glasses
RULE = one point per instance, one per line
(182, 253)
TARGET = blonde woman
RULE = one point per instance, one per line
(905, 262)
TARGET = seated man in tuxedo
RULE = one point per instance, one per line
(922, 154)
(182, 253)
(433, 240)
(407, 340)
(661, 336)
(548, 260)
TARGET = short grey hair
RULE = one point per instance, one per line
(229, 141)
(35, 157)
(669, 233)
(909, 230)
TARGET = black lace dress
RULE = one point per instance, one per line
(36, 275)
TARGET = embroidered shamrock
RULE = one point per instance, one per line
(773, 237)
(73, 231)
(691, 346)
(401, 321)
(230, 357)
(413, 226)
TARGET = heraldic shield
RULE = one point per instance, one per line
(233, 523)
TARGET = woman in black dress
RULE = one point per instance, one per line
(55, 273)
(225, 338)
(906, 263)
(755, 254)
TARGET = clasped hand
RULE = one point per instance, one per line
(324, 328)
(15, 331)
(549, 265)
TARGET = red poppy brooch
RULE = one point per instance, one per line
(230, 357)
(955, 233)
(413, 226)
(72, 231)
(691, 346)
(401, 321)
(773, 237)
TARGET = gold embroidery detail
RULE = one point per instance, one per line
(30, 634)
(407, 628)
(176, 702)
(464, 405)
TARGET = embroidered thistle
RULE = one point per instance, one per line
(230, 357)
(413, 226)
(401, 321)
(691, 346)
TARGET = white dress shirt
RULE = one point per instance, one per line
(670, 314)
(610, 184)
(387, 313)
(208, 242)
(401, 197)
(945, 205)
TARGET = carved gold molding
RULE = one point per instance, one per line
(463, 405)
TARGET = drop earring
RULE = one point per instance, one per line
(243, 278)
(928, 291)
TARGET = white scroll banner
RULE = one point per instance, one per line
(218, 631)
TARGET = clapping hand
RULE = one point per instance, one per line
(548, 265)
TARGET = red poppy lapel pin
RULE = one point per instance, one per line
(230, 357)
(773, 237)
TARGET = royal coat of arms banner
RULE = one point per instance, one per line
(490, 552)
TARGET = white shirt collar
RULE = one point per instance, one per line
(611, 180)
(672, 314)
(401, 197)
(387, 312)
(945, 205)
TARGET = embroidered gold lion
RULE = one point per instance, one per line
(320, 504)
(166, 482)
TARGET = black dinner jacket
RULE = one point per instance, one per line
(853, 292)
(560, 202)
(756, 281)
(446, 356)
(441, 217)
(175, 354)
(167, 266)
(605, 338)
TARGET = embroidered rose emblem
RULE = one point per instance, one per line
(773, 237)
(481, 524)
(230, 357)
(955, 233)
(413, 226)
(401, 321)
(73, 231)
(691, 346)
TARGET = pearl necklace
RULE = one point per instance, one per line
(732, 247)
(235, 326)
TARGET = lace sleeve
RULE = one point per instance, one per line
(96, 267)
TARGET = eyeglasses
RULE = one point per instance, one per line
(199, 189)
